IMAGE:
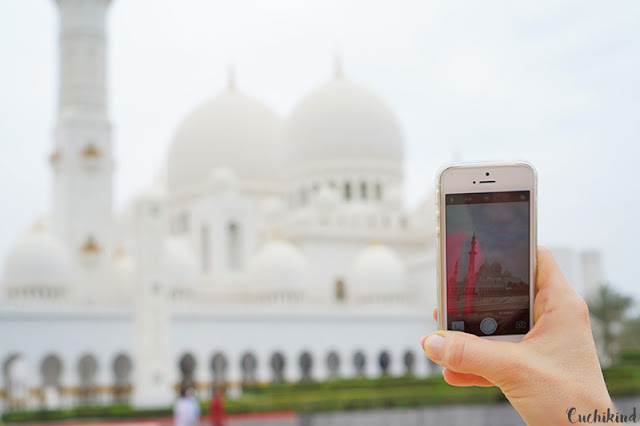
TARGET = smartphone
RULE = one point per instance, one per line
(487, 244)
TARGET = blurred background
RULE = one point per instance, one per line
(241, 193)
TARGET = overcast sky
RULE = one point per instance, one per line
(552, 82)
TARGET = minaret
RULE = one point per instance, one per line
(471, 276)
(82, 157)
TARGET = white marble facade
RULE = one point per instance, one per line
(271, 248)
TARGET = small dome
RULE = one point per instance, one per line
(230, 130)
(377, 271)
(279, 266)
(180, 264)
(341, 121)
(38, 259)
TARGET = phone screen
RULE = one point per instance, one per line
(487, 248)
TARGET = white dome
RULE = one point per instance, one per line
(377, 271)
(230, 130)
(38, 259)
(279, 266)
(342, 121)
(180, 264)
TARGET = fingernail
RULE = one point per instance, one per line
(433, 346)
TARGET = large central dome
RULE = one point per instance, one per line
(230, 130)
(342, 121)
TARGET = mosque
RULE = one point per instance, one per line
(272, 249)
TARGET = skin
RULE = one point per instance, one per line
(553, 368)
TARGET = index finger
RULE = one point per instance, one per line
(548, 272)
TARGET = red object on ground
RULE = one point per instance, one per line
(216, 410)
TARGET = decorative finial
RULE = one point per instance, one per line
(231, 77)
(337, 63)
(90, 246)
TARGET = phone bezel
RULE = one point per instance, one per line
(459, 178)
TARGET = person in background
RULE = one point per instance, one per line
(216, 408)
(186, 411)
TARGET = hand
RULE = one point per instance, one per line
(553, 368)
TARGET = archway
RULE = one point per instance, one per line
(187, 366)
(359, 362)
(409, 363)
(277, 366)
(15, 374)
(249, 366)
(384, 360)
(122, 378)
(333, 363)
(87, 371)
(219, 369)
(51, 370)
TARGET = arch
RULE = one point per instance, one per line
(347, 191)
(122, 366)
(51, 370)
(278, 362)
(249, 367)
(384, 360)
(306, 364)
(333, 364)
(219, 369)
(15, 374)
(187, 365)
(234, 246)
(409, 363)
(378, 191)
(359, 362)
(87, 371)
(363, 190)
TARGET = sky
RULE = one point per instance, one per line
(551, 82)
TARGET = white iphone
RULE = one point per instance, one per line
(487, 244)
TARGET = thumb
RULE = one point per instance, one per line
(470, 354)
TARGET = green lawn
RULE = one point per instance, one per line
(336, 395)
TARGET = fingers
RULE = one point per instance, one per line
(462, 379)
(469, 354)
(549, 274)
(553, 291)
(435, 313)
